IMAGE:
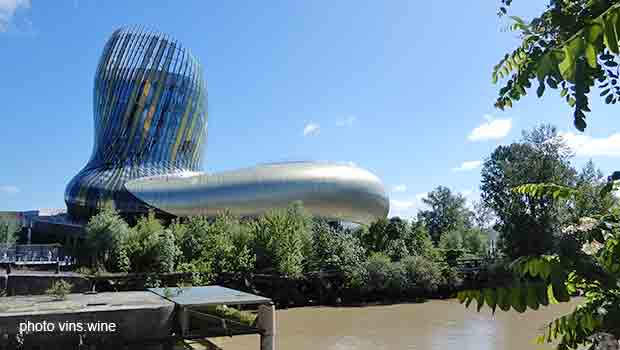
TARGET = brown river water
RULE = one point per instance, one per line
(436, 324)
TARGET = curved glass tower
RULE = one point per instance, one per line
(150, 118)
(150, 111)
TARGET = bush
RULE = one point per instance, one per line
(283, 240)
(106, 234)
(397, 249)
(59, 289)
(202, 272)
(423, 273)
(378, 269)
(229, 245)
(150, 247)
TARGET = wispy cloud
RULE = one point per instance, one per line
(491, 129)
(9, 189)
(407, 208)
(311, 128)
(346, 121)
(399, 188)
(8, 9)
(588, 146)
(468, 165)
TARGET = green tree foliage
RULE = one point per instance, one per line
(475, 241)
(106, 234)
(283, 240)
(194, 238)
(590, 183)
(452, 240)
(8, 232)
(526, 224)
(572, 46)
(448, 211)
(374, 238)
(336, 250)
(229, 245)
(419, 242)
(151, 247)
(591, 267)
(423, 273)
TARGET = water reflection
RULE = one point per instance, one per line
(437, 324)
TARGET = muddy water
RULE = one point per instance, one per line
(437, 324)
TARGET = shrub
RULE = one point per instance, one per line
(106, 233)
(378, 269)
(229, 244)
(202, 272)
(423, 273)
(150, 247)
(283, 240)
(59, 289)
(397, 249)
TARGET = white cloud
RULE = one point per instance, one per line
(399, 188)
(491, 129)
(407, 208)
(311, 128)
(7, 11)
(346, 121)
(468, 165)
(9, 189)
(588, 146)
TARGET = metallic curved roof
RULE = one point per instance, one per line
(327, 190)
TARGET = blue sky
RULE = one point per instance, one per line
(401, 88)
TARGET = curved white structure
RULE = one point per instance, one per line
(332, 191)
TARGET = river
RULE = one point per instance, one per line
(436, 324)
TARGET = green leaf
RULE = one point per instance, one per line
(609, 98)
(517, 299)
(559, 290)
(503, 299)
(461, 296)
(580, 120)
(572, 51)
(541, 294)
(532, 298)
(490, 297)
(611, 39)
(541, 90)
(594, 33)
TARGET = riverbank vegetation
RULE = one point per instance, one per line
(391, 259)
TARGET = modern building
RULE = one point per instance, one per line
(150, 112)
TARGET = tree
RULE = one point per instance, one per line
(526, 224)
(590, 183)
(475, 241)
(419, 242)
(448, 212)
(106, 234)
(374, 237)
(590, 267)
(452, 240)
(229, 245)
(283, 240)
(151, 247)
(8, 232)
(571, 46)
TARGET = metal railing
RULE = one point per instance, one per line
(31, 253)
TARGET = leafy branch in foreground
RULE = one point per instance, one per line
(572, 46)
(591, 269)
